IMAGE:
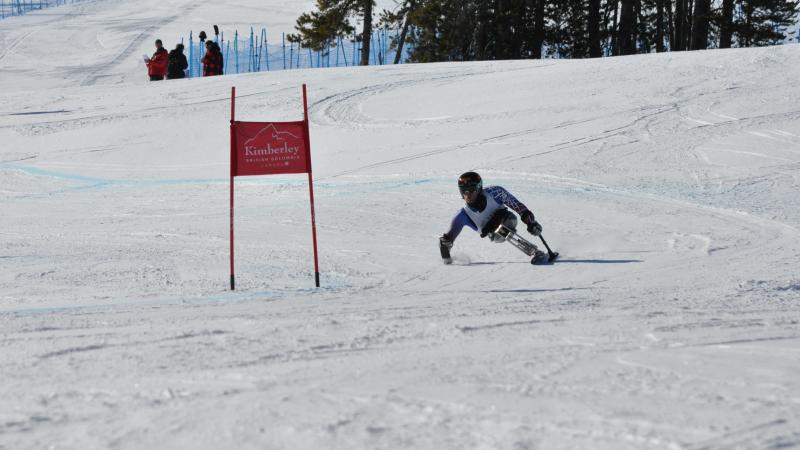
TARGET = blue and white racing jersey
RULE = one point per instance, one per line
(496, 198)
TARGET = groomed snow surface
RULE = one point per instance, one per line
(669, 183)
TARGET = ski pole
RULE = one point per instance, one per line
(549, 252)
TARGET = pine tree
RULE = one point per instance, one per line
(651, 25)
(569, 35)
(763, 22)
(399, 19)
(467, 30)
(321, 29)
(448, 30)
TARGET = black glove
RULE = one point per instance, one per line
(527, 217)
(534, 227)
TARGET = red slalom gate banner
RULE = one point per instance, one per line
(269, 148)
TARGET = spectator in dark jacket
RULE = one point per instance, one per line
(212, 61)
(177, 63)
(157, 65)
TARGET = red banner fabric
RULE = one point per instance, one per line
(266, 148)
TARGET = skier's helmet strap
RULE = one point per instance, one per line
(470, 182)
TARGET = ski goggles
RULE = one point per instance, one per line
(470, 187)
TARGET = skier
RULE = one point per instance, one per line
(485, 211)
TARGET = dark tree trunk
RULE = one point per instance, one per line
(595, 51)
(640, 34)
(402, 39)
(516, 20)
(687, 30)
(700, 25)
(606, 42)
(626, 30)
(680, 19)
(482, 33)
(659, 26)
(501, 30)
(748, 21)
(726, 25)
(614, 34)
(538, 29)
(670, 25)
(366, 35)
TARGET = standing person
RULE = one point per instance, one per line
(212, 61)
(157, 64)
(484, 211)
(177, 63)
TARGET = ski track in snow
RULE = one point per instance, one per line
(667, 182)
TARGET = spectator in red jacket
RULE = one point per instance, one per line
(212, 61)
(157, 65)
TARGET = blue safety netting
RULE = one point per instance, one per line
(255, 53)
(9, 8)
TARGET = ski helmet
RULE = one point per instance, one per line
(470, 181)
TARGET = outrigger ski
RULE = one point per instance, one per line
(543, 258)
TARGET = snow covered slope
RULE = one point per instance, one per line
(667, 182)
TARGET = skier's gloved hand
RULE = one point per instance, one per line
(527, 217)
(534, 228)
(444, 241)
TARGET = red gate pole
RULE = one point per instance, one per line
(233, 173)
(311, 187)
